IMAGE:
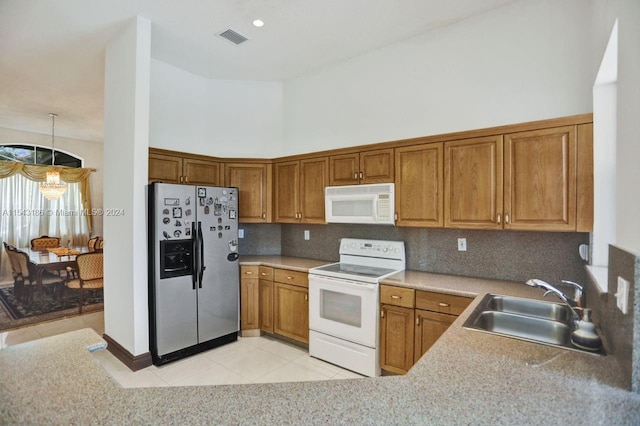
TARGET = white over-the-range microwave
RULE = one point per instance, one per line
(373, 203)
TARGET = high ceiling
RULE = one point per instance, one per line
(52, 51)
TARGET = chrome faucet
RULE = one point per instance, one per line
(576, 302)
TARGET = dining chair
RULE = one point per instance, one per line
(15, 270)
(89, 272)
(44, 242)
(92, 243)
(27, 275)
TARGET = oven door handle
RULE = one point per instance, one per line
(313, 279)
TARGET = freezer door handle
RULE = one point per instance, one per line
(194, 257)
(202, 267)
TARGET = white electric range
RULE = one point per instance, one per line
(344, 303)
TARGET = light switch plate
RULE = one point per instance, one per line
(622, 296)
(240, 233)
(307, 236)
(462, 244)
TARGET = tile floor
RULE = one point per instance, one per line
(249, 360)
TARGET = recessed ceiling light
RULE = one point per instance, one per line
(258, 23)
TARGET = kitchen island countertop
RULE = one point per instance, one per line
(467, 377)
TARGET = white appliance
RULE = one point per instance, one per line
(360, 204)
(344, 303)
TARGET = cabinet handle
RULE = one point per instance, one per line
(355, 175)
(499, 218)
(381, 313)
(417, 320)
(395, 216)
(444, 305)
(263, 273)
(393, 296)
(306, 297)
(361, 175)
(506, 218)
(249, 272)
(264, 215)
(186, 179)
(289, 278)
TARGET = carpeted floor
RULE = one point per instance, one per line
(14, 314)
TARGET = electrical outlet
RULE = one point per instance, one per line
(307, 235)
(240, 233)
(462, 244)
(622, 296)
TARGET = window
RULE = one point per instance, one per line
(33, 154)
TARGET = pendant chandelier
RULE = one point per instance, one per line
(52, 189)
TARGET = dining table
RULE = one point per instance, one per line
(53, 260)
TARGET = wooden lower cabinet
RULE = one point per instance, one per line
(249, 298)
(429, 327)
(396, 338)
(291, 311)
(266, 305)
(410, 323)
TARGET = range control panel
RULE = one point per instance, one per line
(372, 248)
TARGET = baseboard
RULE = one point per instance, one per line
(250, 333)
(134, 362)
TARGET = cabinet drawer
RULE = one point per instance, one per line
(440, 302)
(397, 296)
(249, 271)
(265, 273)
(291, 277)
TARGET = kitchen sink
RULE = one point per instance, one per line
(532, 320)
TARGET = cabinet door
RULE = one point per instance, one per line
(286, 191)
(584, 176)
(165, 168)
(376, 166)
(314, 176)
(419, 187)
(291, 311)
(254, 187)
(429, 327)
(540, 180)
(344, 169)
(201, 172)
(396, 338)
(249, 308)
(266, 306)
(473, 183)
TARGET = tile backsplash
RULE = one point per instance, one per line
(508, 255)
(621, 331)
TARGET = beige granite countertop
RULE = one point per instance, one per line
(467, 377)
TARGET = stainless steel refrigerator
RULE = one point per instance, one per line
(193, 269)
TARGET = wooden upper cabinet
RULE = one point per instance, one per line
(473, 183)
(254, 190)
(314, 176)
(376, 166)
(419, 185)
(299, 190)
(286, 190)
(165, 168)
(584, 188)
(200, 172)
(540, 180)
(176, 169)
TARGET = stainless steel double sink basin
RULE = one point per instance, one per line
(525, 319)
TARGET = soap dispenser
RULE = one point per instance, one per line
(585, 336)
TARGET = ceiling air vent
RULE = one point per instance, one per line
(233, 36)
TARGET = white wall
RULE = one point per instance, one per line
(90, 152)
(523, 62)
(126, 141)
(225, 118)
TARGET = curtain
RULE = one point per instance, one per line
(26, 214)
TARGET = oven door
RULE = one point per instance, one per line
(344, 308)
